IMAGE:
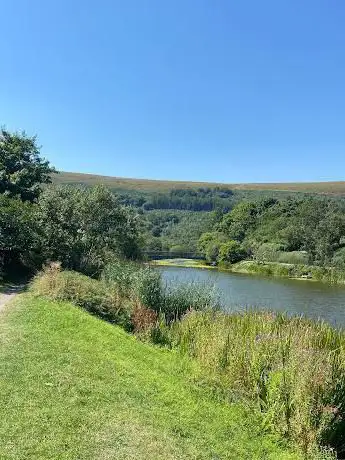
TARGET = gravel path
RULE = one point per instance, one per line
(9, 293)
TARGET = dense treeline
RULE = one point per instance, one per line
(82, 228)
(176, 231)
(201, 199)
(85, 227)
(188, 199)
(296, 230)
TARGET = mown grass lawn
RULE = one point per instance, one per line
(74, 387)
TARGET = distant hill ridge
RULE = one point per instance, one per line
(152, 185)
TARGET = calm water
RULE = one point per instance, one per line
(237, 291)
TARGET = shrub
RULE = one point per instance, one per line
(179, 298)
(338, 259)
(93, 295)
(135, 281)
(231, 252)
(84, 228)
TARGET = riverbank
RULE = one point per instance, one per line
(283, 270)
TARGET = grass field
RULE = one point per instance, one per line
(120, 183)
(74, 387)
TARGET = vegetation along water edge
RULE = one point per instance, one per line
(251, 267)
(288, 371)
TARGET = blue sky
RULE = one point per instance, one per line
(216, 90)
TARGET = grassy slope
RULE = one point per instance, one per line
(120, 183)
(74, 387)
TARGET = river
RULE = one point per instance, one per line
(237, 292)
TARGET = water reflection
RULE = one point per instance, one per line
(237, 291)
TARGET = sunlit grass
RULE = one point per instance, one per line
(75, 387)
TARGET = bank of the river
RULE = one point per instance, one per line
(284, 270)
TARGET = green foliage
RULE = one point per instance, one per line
(338, 259)
(290, 369)
(22, 170)
(85, 228)
(200, 199)
(293, 257)
(209, 245)
(96, 393)
(135, 281)
(95, 296)
(176, 230)
(17, 231)
(231, 252)
(266, 252)
(328, 274)
(142, 284)
(177, 299)
(292, 230)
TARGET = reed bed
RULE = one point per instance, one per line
(292, 370)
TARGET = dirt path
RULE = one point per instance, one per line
(8, 294)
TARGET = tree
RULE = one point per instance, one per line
(22, 170)
(84, 228)
(231, 252)
(209, 245)
(17, 231)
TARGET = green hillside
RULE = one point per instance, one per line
(73, 387)
(120, 183)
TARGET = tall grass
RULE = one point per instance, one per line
(130, 294)
(290, 369)
(93, 295)
(135, 281)
(144, 285)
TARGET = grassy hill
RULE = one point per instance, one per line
(73, 387)
(148, 185)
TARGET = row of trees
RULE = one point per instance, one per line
(82, 228)
(176, 231)
(297, 230)
(188, 199)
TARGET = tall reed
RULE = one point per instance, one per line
(291, 369)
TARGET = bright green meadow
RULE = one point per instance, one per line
(76, 387)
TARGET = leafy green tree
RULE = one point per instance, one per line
(17, 231)
(85, 228)
(22, 170)
(231, 252)
(209, 245)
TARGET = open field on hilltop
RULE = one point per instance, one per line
(121, 183)
(73, 386)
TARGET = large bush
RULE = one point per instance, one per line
(231, 252)
(85, 228)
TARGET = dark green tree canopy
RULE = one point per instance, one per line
(83, 228)
(22, 170)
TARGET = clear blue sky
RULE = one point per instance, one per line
(216, 90)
